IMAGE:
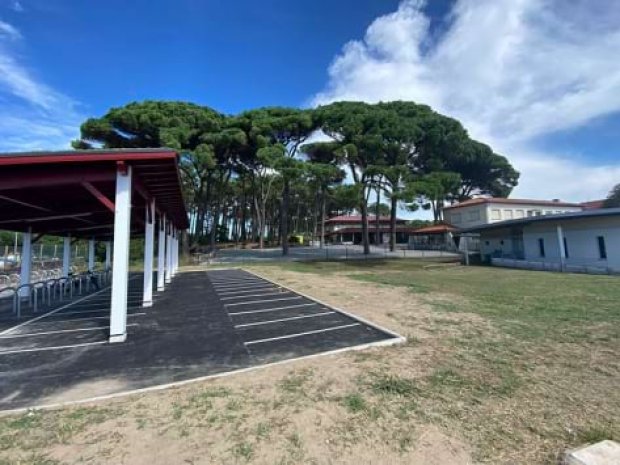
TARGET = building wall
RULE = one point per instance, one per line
(466, 217)
(474, 215)
(502, 212)
(581, 241)
(494, 243)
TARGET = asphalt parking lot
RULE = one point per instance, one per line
(272, 321)
(204, 324)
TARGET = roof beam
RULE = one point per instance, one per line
(98, 195)
(24, 204)
(36, 219)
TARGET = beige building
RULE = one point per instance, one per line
(475, 212)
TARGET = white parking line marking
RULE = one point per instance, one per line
(40, 349)
(234, 291)
(242, 289)
(290, 336)
(254, 295)
(238, 285)
(270, 309)
(236, 281)
(58, 331)
(262, 301)
(95, 310)
(90, 318)
(258, 323)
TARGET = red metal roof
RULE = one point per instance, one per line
(483, 200)
(358, 219)
(73, 191)
(592, 204)
(371, 229)
(435, 229)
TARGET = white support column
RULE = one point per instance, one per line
(108, 255)
(161, 253)
(26, 262)
(561, 247)
(91, 255)
(66, 256)
(149, 237)
(120, 267)
(174, 252)
(168, 273)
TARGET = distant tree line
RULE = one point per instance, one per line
(266, 174)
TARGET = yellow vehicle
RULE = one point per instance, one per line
(298, 240)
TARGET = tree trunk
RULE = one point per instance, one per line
(315, 219)
(364, 211)
(378, 219)
(214, 223)
(393, 208)
(185, 246)
(286, 192)
(323, 219)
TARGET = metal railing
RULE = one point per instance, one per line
(45, 293)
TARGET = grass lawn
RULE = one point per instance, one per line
(501, 366)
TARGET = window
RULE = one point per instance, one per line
(541, 247)
(508, 214)
(548, 212)
(566, 248)
(474, 215)
(496, 214)
(602, 249)
(518, 213)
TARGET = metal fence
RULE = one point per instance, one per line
(570, 265)
(315, 253)
(47, 291)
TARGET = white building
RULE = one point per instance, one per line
(582, 241)
(479, 211)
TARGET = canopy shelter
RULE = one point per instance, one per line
(106, 195)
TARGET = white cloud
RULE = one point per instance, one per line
(510, 70)
(17, 6)
(8, 32)
(32, 114)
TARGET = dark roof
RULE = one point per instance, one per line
(72, 192)
(483, 200)
(599, 213)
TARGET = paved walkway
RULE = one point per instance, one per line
(203, 324)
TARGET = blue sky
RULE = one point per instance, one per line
(536, 79)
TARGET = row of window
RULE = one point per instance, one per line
(602, 248)
(496, 213)
(506, 214)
